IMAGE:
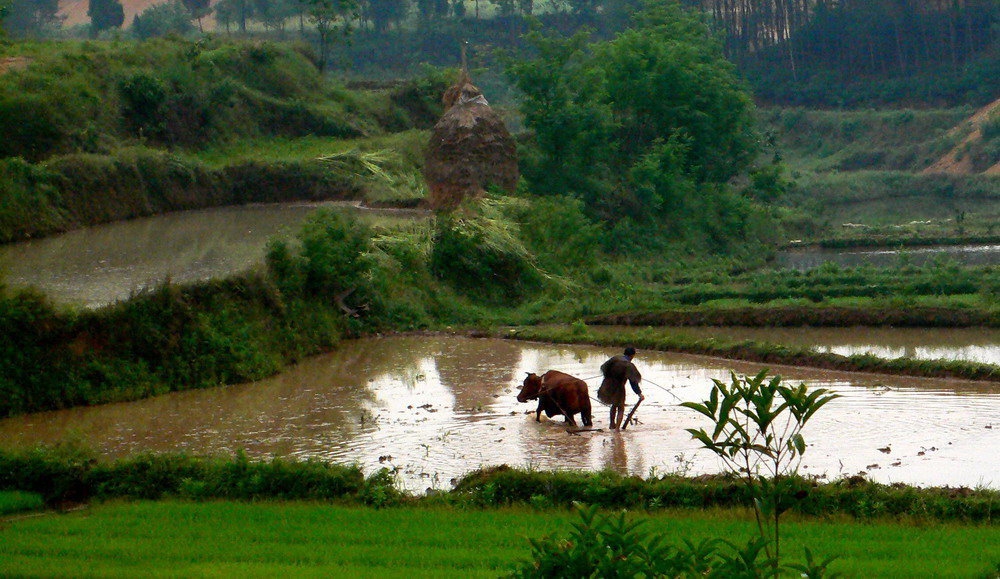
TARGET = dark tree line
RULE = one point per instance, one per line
(858, 36)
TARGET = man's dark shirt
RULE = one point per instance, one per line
(619, 369)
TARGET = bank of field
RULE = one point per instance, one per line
(179, 538)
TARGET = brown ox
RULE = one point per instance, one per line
(557, 393)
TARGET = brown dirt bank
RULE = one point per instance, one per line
(791, 316)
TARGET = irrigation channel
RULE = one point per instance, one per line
(435, 407)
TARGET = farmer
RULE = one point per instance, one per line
(617, 371)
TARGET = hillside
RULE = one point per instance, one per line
(978, 149)
(890, 173)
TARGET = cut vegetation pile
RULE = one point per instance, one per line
(470, 150)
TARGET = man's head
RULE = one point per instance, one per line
(630, 352)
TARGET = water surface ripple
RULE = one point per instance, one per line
(438, 407)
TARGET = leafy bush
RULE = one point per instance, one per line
(69, 473)
(483, 256)
(607, 546)
(162, 19)
(31, 126)
(143, 96)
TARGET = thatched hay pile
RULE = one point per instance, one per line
(470, 149)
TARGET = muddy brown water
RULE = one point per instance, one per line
(438, 407)
(808, 258)
(98, 265)
(969, 344)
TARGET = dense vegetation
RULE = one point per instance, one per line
(654, 167)
(97, 132)
(70, 474)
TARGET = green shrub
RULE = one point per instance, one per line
(30, 125)
(614, 546)
(483, 256)
(143, 96)
(70, 474)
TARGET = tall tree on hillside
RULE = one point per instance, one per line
(26, 17)
(4, 11)
(382, 13)
(332, 19)
(199, 9)
(228, 12)
(105, 14)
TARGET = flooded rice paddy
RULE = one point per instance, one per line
(98, 265)
(437, 407)
(968, 344)
(810, 257)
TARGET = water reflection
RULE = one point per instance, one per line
(808, 258)
(98, 265)
(437, 407)
(971, 344)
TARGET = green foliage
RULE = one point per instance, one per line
(85, 97)
(143, 96)
(854, 497)
(215, 333)
(335, 252)
(380, 489)
(645, 129)
(483, 256)
(606, 546)
(162, 19)
(18, 501)
(104, 15)
(754, 442)
(71, 474)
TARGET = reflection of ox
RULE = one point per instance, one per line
(557, 393)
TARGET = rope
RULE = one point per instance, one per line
(646, 380)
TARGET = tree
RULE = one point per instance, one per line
(647, 127)
(331, 19)
(228, 12)
(25, 17)
(105, 14)
(198, 10)
(383, 13)
(4, 12)
(162, 19)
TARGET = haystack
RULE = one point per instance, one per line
(470, 149)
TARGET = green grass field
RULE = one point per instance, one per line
(16, 501)
(178, 538)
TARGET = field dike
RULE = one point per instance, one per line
(753, 351)
(71, 475)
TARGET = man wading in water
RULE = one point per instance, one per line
(617, 371)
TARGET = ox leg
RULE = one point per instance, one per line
(538, 413)
(569, 420)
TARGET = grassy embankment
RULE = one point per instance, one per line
(479, 527)
(864, 168)
(693, 292)
(754, 351)
(305, 538)
(12, 502)
(97, 132)
(419, 275)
